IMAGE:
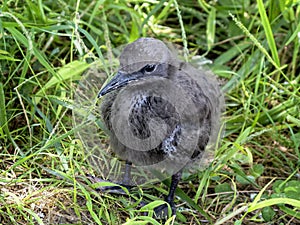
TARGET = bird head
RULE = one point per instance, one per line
(142, 59)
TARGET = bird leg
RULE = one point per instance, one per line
(126, 182)
(162, 210)
(127, 174)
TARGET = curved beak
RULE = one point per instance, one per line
(119, 80)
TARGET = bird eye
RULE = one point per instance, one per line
(149, 68)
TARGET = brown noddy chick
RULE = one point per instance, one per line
(161, 112)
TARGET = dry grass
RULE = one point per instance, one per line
(46, 46)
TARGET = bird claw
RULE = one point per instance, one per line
(112, 190)
(162, 211)
(118, 189)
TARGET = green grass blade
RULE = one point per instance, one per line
(274, 201)
(72, 70)
(268, 30)
(211, 28)
(3, 117)
(180, 193)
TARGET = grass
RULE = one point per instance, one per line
(46, 46)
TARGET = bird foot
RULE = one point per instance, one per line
(162, 211)
(114, 189)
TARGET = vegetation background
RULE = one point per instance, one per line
(45, 46)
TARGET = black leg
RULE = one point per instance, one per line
(126, 182)
(174, 183)
(162, 211)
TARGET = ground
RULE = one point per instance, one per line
(46, 47)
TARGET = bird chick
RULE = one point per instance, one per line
(161, 112)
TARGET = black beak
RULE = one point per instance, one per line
(120, 80)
